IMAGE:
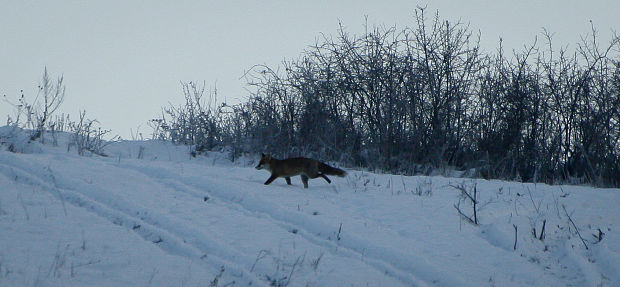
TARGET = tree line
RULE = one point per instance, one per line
(419, 99)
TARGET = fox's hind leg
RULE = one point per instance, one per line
(304, 179)
(288, 180)
(317, 174)
(325, 177)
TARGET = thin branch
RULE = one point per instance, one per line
(575, 226)
(515, 245)
(464, 215)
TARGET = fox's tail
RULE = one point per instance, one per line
(326, 169)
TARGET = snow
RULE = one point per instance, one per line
(151, 215)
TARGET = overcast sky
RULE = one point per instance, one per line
(123, 60)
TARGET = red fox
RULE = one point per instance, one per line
(306, 167)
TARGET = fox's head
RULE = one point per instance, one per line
(264, 161)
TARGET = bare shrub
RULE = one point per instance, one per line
(87, 137)
(421, 98)
(52, 94)
(194, 122)
(37, 116)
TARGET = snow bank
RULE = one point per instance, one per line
(151, 215)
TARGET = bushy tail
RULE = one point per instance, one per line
(326, 169)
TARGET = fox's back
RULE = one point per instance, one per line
(293, 166)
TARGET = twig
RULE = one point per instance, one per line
(532, 199)
(339, 230)
(575, 226)
(475, 201)
(599, 237)
(315, 262)
(462, 189)
(261, 254)
(515, 246)
(293, 268)
(542, 232)
(87, 263)
(464, 215)
(217, 277)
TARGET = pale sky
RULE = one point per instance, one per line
(123, 60)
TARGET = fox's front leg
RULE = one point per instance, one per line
(270, 179)
(325, 177)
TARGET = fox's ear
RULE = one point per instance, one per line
(262, 154)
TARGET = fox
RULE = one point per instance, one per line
(305, 167)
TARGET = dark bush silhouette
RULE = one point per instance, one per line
(426, 98)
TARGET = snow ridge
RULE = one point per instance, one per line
(167, 219)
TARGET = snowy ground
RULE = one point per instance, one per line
(149, 215)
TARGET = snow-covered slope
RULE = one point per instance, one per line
(150, 215)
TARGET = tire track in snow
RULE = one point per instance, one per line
(335, 249)
(164, 178)
(397, 266)
(166, 239)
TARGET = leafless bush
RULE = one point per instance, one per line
(193, 123)
(53, 94)
(87, 137)
(315, 262)
(424, 97)
(37, 116)
(469, 194)
(425, 187)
